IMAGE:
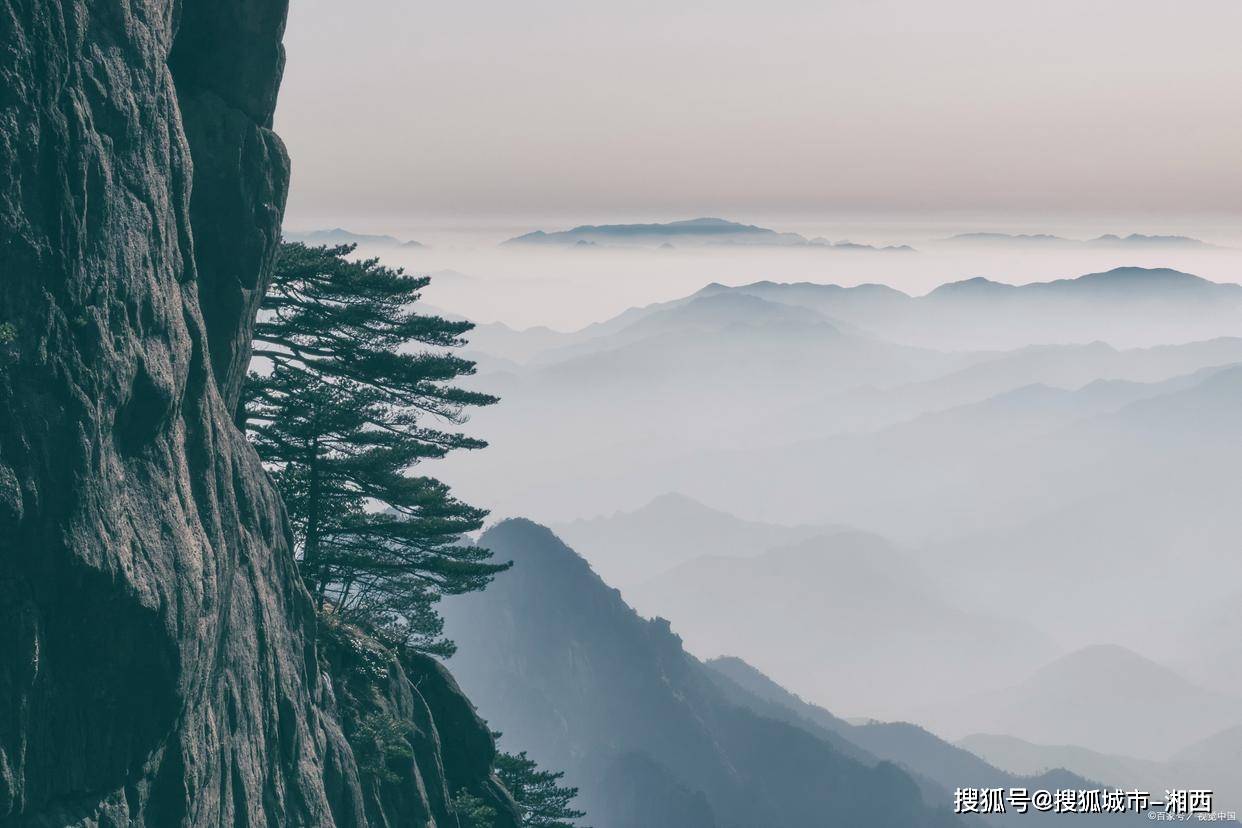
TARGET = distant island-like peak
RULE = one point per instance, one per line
(1108, 240)
(702, 231)
(339, 235)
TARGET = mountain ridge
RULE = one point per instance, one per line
(1200, 309)
(339, 235)
(604, 682)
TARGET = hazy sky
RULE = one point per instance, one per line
(465, 110)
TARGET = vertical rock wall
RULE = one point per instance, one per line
(157, 657)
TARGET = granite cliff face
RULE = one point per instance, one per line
(158, 664)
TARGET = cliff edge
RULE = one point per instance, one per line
(158, 657)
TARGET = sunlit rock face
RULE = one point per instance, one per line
(157, 656)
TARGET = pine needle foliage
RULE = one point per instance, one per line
(358, 393)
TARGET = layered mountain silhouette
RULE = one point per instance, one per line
(1042, 375)
(728, 346)
(979, 468)
(671, 381)
(1059, 507)
(700, 316)
(672, 391)
(1072, 493)
(1127, 307)
(557, 662)
(990, 465)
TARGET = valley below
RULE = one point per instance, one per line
(1001, 515)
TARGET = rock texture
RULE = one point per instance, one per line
(158, 664)
(437, 743)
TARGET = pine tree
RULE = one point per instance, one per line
(543, 801)
(344, 416)
(471, 811)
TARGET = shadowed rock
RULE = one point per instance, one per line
(157, 649)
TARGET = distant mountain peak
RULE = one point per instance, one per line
(705, 221)
(339, 235)
(1143, 274)
(1151, 240)
(703, 230)
(1105, 240)
(1109, 665)
(1126, 277)
(975, 285)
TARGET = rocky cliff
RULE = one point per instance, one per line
(158, 656)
